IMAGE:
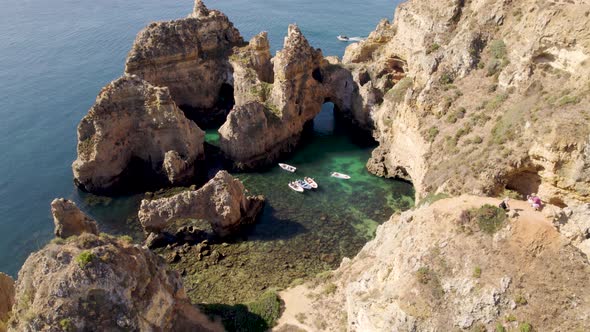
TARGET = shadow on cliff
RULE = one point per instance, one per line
(235, 317)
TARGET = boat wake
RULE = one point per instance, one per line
(358, 39)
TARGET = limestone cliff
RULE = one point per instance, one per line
(125, 140)
(256, 132)
(480, 96)
(6, 299)
(69, 220)
(222, 202)
(190, 57)
(92, 283)
(438, 268)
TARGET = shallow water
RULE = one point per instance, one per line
(55, 57)
(301, 234)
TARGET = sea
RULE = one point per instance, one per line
(55, 56)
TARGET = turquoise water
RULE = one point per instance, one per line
(55, 57)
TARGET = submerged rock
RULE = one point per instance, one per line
(222, 202)
(189, 56)
(69, 220)
(6, 298)
(134, 136)
(102, 284)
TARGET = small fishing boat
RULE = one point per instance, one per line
(295, 186)
(340, 175)
(304, 184)
(343, 38)
(311, 182)
(288, 168)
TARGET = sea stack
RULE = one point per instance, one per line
(69, 220)
(190, 57)
(129, 133)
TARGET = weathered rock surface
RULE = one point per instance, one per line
(189, 56)
(282, 108)
(222, 202)
(101, 284)
(431, 270)
(135, 135)
(501, 84)
(6, 299)
(69, 220)
(574, 224)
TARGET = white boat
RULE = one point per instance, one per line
(340, 175)
(295, 186)
(304, 184)
(288, 168)
(311, 182)
(343, 38)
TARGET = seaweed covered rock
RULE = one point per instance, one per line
(222, 202)
(189, 56)
(129, 133)
(92, 283)
(69, 220)
(294, 98)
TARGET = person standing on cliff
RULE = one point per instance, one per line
(504, 204)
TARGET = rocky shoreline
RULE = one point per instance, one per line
(485, 98)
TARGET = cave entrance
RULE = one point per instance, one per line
(214, 117)
(524, 182)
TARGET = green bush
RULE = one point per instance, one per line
(446, 78)
(66, 324)
(424, 275)
(432, 48)
(489, 218)
(498, 49)
(520, 300)
(85, 258)
(267, 306)
(525, 327)
(477, 272)
(432, 133)
(330, 288)
(126, 239)
(477, 140)
(511, 318)
(568, 100)
(500, 328)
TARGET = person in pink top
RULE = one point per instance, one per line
(535, 201)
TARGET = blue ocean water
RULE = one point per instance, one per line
(56, 55)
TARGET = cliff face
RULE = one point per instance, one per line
(189, 56)
(6, 299)
(434, 269)
(500, 84)
(271, 118)
(126, 137)
(222, 202)
(92, 283)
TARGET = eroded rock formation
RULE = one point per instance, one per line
(69, 220)
(6, 299)
(256, 132)
(434, 270)
(190, 57)
(222, 202)
(499, 84)
(92, 283)
(135, 135)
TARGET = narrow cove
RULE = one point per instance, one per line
(298, 235)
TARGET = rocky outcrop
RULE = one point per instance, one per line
(282, 109)
(69, 220)
(135, 135)
(574, 224)
(493, 82)
(6, 299)
(222, 202)
(190, 57)
(92, 283)
(434, 269)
